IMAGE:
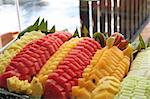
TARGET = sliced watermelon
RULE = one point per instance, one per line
(32, 71)
(40, 62)
(94, 42)
(59, 71)
(91, 44)
(87, 52)
(10, 68)
(22, 69)
(53, 75)
(70, 72)
(59, 41)
(55, 46)
(69, 59)
(33, 56)
(63, 37)
(77, 65)
(25, 77)
(35, 46)
(40, 52)
(61, 80)
(4, 76)
(67, 76)
(72, 67)
(37, 66)
(51, 49)
(32, 49)
(47, 54)
(39, 42)
(43, 59)
(26, 61)
(72, 83)
(63, 67)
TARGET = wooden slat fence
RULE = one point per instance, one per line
(124, 16)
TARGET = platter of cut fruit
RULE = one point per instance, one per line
(50, 64)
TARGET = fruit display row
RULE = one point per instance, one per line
(53, 64)
(109, 61)
(16, 47)
(137, 83)
(141, 64)
(60, 65)
(134, 87)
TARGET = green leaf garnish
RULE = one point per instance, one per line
(85, 32)
(35, 25)
(138, 44)
(30, 28)
(106, 35)
(43, 26)
(53, 29)
(142, 44)
(76, 33)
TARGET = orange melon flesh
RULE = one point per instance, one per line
(112, 62)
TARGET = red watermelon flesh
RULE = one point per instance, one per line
(22, 69)
(72, 83)
(4, 76)
(63, 37)
(59, 71)
(51, 49)
(63, 67)
(87, 46)
(39, 42)
(60, 41)
(94, 42)
(35, 46)
(90, 43)
(25, 77)
(53, 75)
(69, 59)
(67, 76)
(72, 67)
(56, 92)
(68, 34)
(32, 71)
(77, 65)
(37, 66)
(10, 68)
(57, 43)
(47, 54)
(64, 62)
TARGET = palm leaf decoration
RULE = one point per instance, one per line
(148, 44)
(43, 26)
(106, 35)
(76, 33)
(52, 30)
(138, 44)
(30, 28)
(85, 32)
(142, 44)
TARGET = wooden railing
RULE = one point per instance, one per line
(124, 16)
